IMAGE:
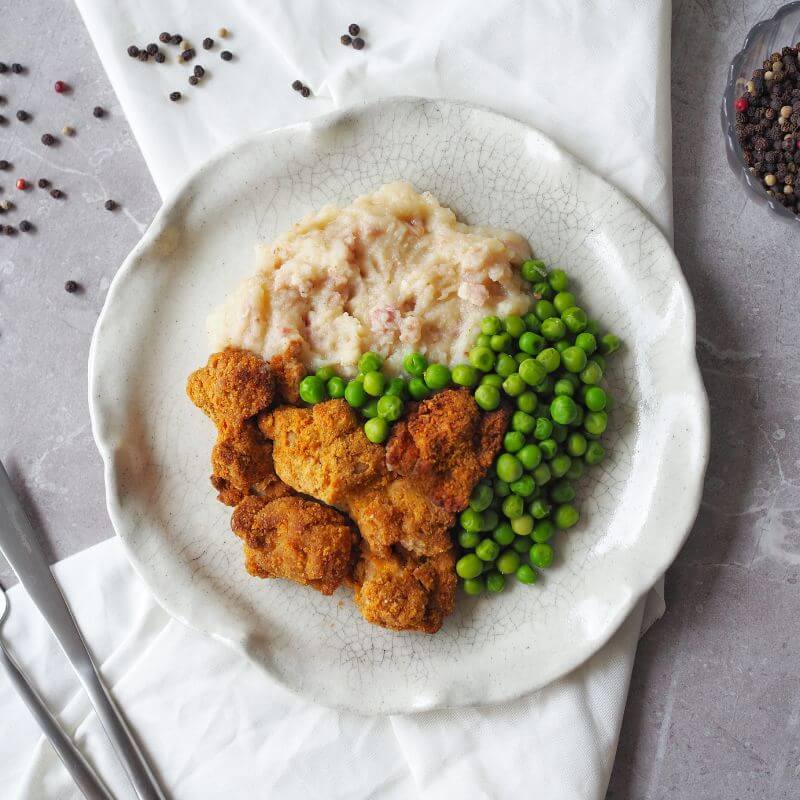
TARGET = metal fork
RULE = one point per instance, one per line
(73, 759)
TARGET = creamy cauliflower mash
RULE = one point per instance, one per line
(393, 271)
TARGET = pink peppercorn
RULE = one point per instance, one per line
(60, 86)
(22, 184)
(741, 104)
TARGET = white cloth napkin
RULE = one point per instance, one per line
(595, 77)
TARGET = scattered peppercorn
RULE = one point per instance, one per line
(57, 194)
(2, 100)
(188, 55)
(25, 226)
(5, 205)
(193, 80)
(109, 205)
(160, 57)
(143, 55)
(199, 71)
(152, 48)
(3, 68)
(9, 230)
(174, 96)
(358, 43)
(741, 104)
(43, 183)
(98, 111)
(222, 33)
(3, 120)
(184, 45)
(176, 38)
(346, 40)
(305, 91)
(208, 43)
(226, 55)
(297, 85)
(48, 140)
(71, 286)
(4, 164)
(133, 51)
(60, 87)
(353, 29)
(22, 184)
(23, 116)
(17, 68)
(164, 37)
(68, 130)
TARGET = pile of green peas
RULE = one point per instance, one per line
(550, 363)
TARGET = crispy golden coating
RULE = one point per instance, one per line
(404, 591)
(233, 386)
(322, 451)
(296, 539)
(447, 444)
(289, 371)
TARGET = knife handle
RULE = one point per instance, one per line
(72, 758)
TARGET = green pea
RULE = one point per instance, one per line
(437, 376)
(474, 586)
(390, 407)
(418, 389)
(526, 574)
(560, 465)
(543, 429)
(325, 373)
(354, 394)
(514, 326)
(549, 448)
(593, 327)
(376, 430)
(522, 422)
(595, 398)
(312, 389)
(469, 566)
(508, 468)
(543, 531)
(541, 474)
(501, 488)
(530, 456)
(592, 374)
(513, 506)
(599, 360)
(575, 471)
(369, 362)
(492, 379)
(527, 402)
(495, 582)
(575, 319)
(595, 422)
(550, 359)
(574, 359)
(482, 358)
(414, 364)
(524, 487)
(542, 290)
(544, 309)
(595, 453)
(531, 343)
(336, 387)
(513, 385)
(559, 280)
(520, 357)
(566, 516)
(470, 520)
(576, 444)
(533, 270)
(563, 410)
(508, 562)
(504, 534)
(505, 365)
(491, 325)
(609, 344)
(562, 492)
(545, 388)
(563, 387)
(464, 375)
(522, 526)
(531, 322)
(370, 409)
(521, 545)
(396, 388)
(487, 550)
(468, 539)
(532, 371)
(502, 343)
(540, 508)
(541, 555)
(513, 441)
(563, 300)
(374, 383)
(561, 345)
(481, 498)
(487, 397)
(490, 520)
(587, 342)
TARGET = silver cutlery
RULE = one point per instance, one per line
(21, 549)
(73, 759)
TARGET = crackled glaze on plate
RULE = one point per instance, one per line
(637, 507)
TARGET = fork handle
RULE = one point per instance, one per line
(72, 758)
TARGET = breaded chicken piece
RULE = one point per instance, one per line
(296, 539)
(448, 444)
(233, 386)
(241, 461)
(322, 451)
(404, 591)
(289, 371)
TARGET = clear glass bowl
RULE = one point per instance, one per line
(768, 36)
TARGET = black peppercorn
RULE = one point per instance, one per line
(56, 193)
(188, 55)
(208, 43)
(3, 68)
(4, 164)
(226, 55)
(358, 43)
(25, 226)
(109, 205)
(152, 48)
(160, 57)
(48, 140)
(43, 183)
(193, 80)
(133, 51)
(297, 85)
(143, 55)
(346, 40)
(3, 120)
(23, 116)
(9, 230)
(305, 91)
(17, 68)
(174, 96)
(353, 29)
(199, 71)
(164, 37)
(71, 287)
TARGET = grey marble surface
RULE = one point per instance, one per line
(713, 709)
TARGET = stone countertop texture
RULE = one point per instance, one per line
(714, 708)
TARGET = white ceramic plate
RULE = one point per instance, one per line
(637, 507)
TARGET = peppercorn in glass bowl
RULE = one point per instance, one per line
(765, 162)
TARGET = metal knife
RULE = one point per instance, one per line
(21, 549)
